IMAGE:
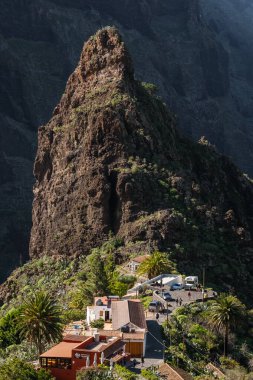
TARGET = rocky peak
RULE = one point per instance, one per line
(111, 160)
(104, 61)
(106, 54)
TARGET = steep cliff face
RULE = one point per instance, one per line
(111, 160)
(191, 49)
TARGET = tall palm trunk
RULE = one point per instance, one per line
(226, 339)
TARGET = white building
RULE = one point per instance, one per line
(101, 309)
(136, 262)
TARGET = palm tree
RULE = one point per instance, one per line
(156, 264)
(225, 313)
(40, 320)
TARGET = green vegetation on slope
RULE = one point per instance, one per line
(195, 336)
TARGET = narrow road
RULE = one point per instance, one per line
(154, 349)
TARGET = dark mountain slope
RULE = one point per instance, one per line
(194, 51)
(111, 160)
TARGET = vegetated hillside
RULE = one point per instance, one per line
(111, 161)
(196, 52)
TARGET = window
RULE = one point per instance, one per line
(101, 313)
(56, 363)
(52, 362)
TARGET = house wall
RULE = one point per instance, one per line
(133, 266)
(135, 348)
(96, 312)
(63, 374)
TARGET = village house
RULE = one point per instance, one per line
(81, 352)
(128, 317)
(101, 309)
(127, 322)
(136, 262)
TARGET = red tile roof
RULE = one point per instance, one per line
(173, 373)
(74, 338)
(103, 299)
(140, 259)
(215, 371)
(134, 336)
(61, 350)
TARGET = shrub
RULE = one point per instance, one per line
(16, 369)
(149, 375)
(98, 374)
(98, 323)
(9, 331)
(123, 373)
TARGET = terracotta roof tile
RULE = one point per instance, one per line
(134, 336)
(116, 333)
(61, 350)
(74, 338)
(215, 370)
(173, 373)
(140, 259)
(113, 348)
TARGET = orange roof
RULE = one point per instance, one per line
(140, 259)
(61, 350)
(173, 373)
(134, 336)
(215, 370)
(74, 338)
(103, 299)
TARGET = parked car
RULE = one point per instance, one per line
(176, 287)
(154, 306)
(167, 296)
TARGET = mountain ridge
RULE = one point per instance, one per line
(188, 48)
(111, 161)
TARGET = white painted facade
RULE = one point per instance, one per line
(96, 312)
(133, 266)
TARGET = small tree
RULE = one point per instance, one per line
(96, 284)
(156, 264)
(225, 313)
(40, 320)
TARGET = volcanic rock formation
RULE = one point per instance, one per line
(111, 160)
(198, 52)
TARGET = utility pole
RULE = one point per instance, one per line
(164, 349)
(167, 311)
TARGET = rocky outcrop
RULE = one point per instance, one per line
(111, 161)
(197, 52)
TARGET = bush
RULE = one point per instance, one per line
(16, 369)
(98, 324)
(123, 373)
(150, 87)
(98, 374)
(149, 375)
(9, 331)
